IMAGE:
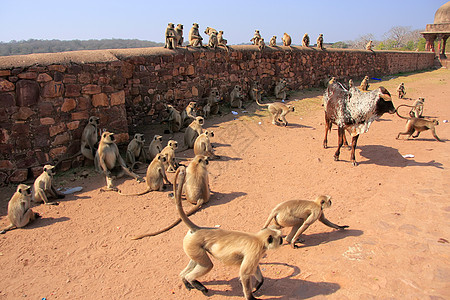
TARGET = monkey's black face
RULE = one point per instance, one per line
(112, 137)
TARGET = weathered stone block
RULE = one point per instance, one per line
(69, 78)
(81, 115)
(23, 113)
(58, 68)
(118, 98)
(52, 89)
(6, 165)
(61, 139)
(73, 90)
(6, 86)
(44, 77)
(36, 171)
(54, 130)
(91, 89)
(20, 129)
(18, 176)
(5, 72)
(73, 125)
(56, 152)
(68, 105)
(100, 100)
(46, 109)
(28, 75)
(7, 100)
(47, 121)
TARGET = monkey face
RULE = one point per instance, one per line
(192, 104)
(139, 137)
(180, 26)
(161, 158)
(272, 238)
(50, 170)
(108, 137)
(157, 138)
(94, 120)
(324, 200)
(24, 189)
(200, 120)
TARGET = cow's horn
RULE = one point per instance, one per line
(386, 97)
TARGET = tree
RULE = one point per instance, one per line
(399, 35)
(361, 42)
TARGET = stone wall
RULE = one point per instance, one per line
(46, 99)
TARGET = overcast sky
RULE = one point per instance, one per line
(338, 20)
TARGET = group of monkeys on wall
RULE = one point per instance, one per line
(174, 38)
(231, 247)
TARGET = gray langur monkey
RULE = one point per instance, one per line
(261, 44)
(192, 132)
(278, 111)
(43, 187)
(173, 120)
(170, 37)
(19, 208)
(170, 163)
(418, 125)
(417, 109)
(300, 214)
(286, 39)
(280, 89)
(195, 40)
(188, 114)
(194, 184)
(256, 37)
(305, 40)
(89, 138)
(202, 145)
(365, 84)
(155, 146)
(109, 161)
(236, 96)
(213, 42)
(155, 177)
(320, 41)
(273, 41)
(237, 248)
(221, 41)
(179, 35)
(136, 151)
(213, 101)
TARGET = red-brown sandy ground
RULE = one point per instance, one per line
(397, 209)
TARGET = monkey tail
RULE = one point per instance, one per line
(138, 194)
(269, 219)
(260, 103)
(181, 172)
(396, 111)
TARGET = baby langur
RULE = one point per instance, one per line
(299, 214)
(273, 41)
(109, 161)
(213, 41)
(256, 37)
(192, 132)
(136, 151)
(418, 125)
(19, 208)
(43, 187)
(202, 145)
(156, 176)
(231, 247)
(279, 111)
(170, 164)
(188, 115)
(194, 184)
(89, 138)
(155, 146)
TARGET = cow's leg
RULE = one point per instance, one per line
(352, 155)
(328, 125)
(345, 140)
(340, 142)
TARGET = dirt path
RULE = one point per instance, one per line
(397, 209)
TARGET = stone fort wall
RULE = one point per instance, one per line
(46, 99)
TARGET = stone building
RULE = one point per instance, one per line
(439, 30)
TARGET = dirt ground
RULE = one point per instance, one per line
(397, 208)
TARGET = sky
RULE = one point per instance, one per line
(338, 20)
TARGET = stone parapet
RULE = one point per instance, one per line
(46, 99)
